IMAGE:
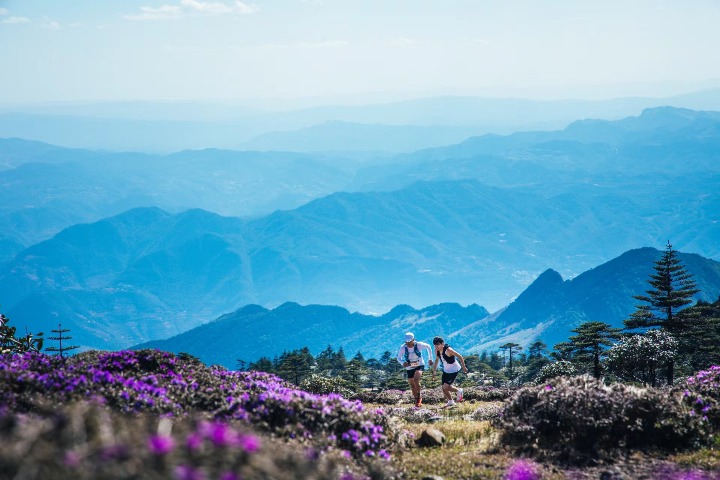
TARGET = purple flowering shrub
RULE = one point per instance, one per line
(156, 382)
(88, 441)
(702, 394)
(523, 470)
(433, 396)
(574, 419)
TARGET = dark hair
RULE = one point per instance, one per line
(438, 341)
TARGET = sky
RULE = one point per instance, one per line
(172, 50)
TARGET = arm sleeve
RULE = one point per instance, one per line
(401, 356)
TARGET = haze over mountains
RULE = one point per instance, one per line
(165, 127)
(549, 309)
(124, 248)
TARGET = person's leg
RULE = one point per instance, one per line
(414, 386)
(448, 380)
(446, 391)
(417, 391)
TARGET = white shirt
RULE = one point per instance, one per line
(414, 360)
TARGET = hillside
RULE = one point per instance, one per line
(548, 310)
(253, 332)
(551, 307)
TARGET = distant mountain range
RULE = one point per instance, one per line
(548, 310)
(473, 223)
(47, 188)
(253, 331)
(357, 137)
(170, 127)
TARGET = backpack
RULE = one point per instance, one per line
(407, 352)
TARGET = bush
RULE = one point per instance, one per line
(492, 412)
(150, 381)
(325, 385)
(576, 419)
(86, 441)
(434, 396)
(702, 395)
(561, 368)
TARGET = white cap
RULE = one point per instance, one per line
(409, 337)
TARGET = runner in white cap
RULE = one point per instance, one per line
(410, 356)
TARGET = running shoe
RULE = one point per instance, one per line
(460, 395)
(450, 403)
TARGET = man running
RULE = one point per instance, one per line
(410, 356)
(451, 361)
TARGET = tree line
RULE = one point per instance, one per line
(668, 335)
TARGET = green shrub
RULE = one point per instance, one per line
(325, 385)
(577, 419)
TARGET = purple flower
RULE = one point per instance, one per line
(194, 441)
(186, 472)
(522, 470)
(161, 444)
(220, 434)
(72, 459)
(249, 443)
(548, 388)
(229, 476)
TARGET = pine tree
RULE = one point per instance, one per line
(672, 289)
(60, 337)
(510, 348)
(588, 345)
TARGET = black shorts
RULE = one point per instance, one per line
(411, 372)
(449, 378)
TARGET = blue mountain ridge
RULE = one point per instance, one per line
(547, 310)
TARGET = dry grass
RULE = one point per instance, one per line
(472, 452)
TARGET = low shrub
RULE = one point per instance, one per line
(87, 441)
(488, 413)
(576, 419)
(150, 381)
(702, 395)
(433, 396)
(325, 385)
(412, 415)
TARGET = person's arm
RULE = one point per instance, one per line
(459, 357)
(401, 357)
(430, 351)
(434, 365)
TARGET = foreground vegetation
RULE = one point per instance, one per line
(151, 414)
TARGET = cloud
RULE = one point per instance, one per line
(188, 8)
(16, 20)
(4, 12)
(404, 42)
(325, 44)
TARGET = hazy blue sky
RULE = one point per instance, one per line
(52, 50)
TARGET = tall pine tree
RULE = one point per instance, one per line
(60, 349)
(672, 290)
(588, 346)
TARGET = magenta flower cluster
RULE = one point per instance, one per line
(523, 470)
(702, 394)
(159, 382)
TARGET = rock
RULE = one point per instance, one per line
(432, 477)
(431, 437)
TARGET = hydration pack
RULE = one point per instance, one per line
(407, 352)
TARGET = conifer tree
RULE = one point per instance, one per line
(510, 348)
(588, 346)
(672, 290)
(60, 349)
